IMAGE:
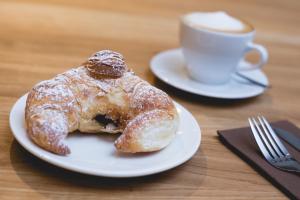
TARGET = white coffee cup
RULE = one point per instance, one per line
(214, 44)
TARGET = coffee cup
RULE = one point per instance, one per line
(214, 45)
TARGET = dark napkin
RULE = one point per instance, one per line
(241, 142)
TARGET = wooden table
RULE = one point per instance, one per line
(39, 39)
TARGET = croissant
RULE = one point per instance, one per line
(101, 95)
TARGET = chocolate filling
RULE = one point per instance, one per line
(105, 120)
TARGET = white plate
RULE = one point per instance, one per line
(95, 154)
(169, 66)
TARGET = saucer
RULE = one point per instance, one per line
(169, 66)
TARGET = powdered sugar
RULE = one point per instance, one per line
(55, 90)
(146, 97)
(53, 121)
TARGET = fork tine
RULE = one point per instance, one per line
(271, 140)
(276, 139)
(259, 142)
(264, 139)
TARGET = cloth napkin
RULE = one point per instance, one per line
(242, 143)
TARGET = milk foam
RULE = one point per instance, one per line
(215, 20)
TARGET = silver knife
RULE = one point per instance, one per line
(288, 137)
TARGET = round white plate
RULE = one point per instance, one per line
(169, 66)
(95, 154)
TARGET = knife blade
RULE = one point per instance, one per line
(288, 137)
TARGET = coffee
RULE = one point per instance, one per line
(217, 21)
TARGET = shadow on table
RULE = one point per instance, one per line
(50, 180)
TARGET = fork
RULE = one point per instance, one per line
(271, 147)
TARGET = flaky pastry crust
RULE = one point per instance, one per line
(103, 86)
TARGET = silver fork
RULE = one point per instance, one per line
(271, 147)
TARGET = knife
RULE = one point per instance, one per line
(288, 137)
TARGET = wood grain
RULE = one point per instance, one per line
(39, 39)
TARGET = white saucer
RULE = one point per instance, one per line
(95, 154)
(169, 66)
